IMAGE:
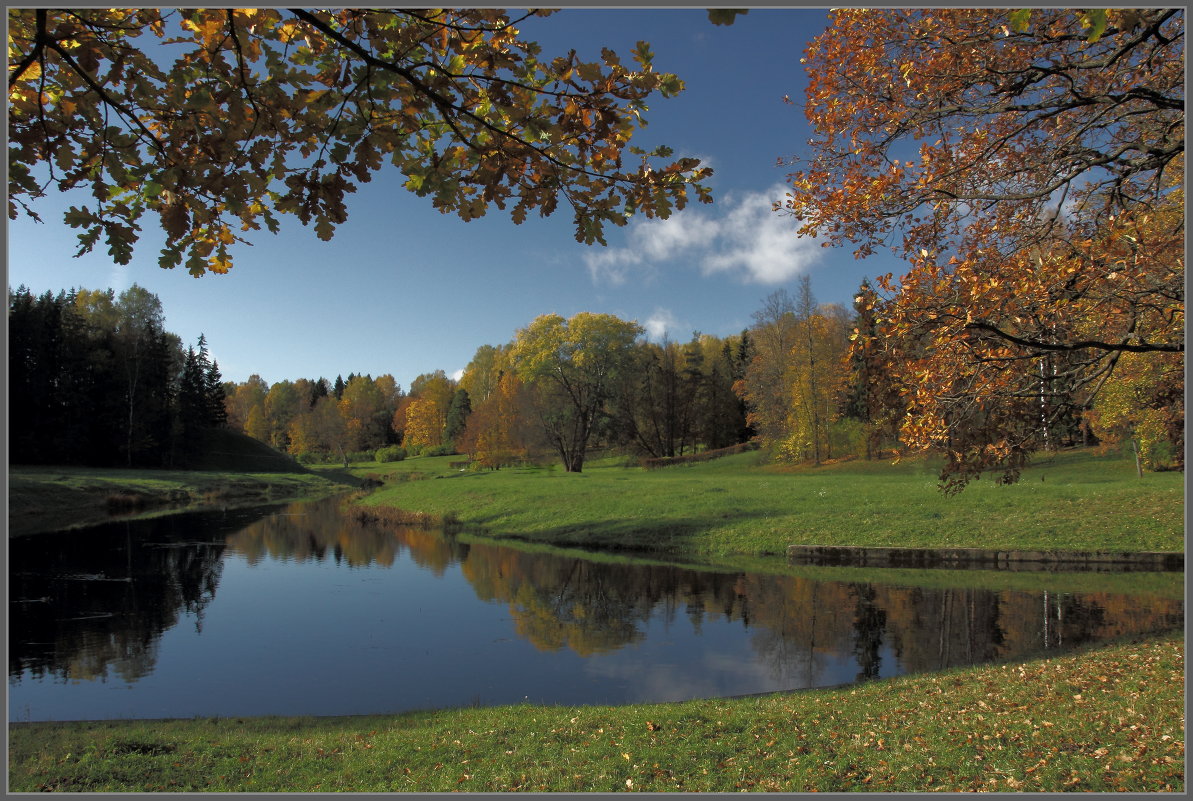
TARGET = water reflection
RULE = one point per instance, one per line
(90, 604)
(94, 601)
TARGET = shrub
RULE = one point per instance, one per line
(390, 453)
(438, 450)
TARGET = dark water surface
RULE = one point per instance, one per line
(301, 610)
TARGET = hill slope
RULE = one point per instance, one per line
(222, 449)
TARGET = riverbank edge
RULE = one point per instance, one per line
(826, 555)
(119, 495)
(1105, 717)
(871, 556)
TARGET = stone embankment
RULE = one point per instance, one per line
(853, 556)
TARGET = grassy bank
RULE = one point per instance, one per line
(53, 498)
(1108, 719)
(1073, 501)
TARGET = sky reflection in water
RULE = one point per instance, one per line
(304, 610)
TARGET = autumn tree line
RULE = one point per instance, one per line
(807, 381)
(612, 389)
(95, 379)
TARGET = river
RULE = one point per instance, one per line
(304, 610)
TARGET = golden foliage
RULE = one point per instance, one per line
(218, 120)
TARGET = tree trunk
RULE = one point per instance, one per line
(1138, 461)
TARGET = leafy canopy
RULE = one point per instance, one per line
(1030, 167)
(216, 121)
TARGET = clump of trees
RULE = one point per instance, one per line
(565, 387)
(314, 419)
(357, 419)
(95, 379)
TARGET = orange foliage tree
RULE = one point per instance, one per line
(498, 432)
(366, 412)
(1029, 166)
(424, 424)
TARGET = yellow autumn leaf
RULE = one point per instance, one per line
(32, 72)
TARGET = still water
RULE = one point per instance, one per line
(302, 610)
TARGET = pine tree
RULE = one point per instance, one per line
(217, 412)
(192, 403)
(457, 415)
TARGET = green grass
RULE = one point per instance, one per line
(1160, 585)
(53, 498)
(1107, 719)
(1073, 501)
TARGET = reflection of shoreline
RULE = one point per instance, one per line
(803, 630)
(319, 531)
(83, 603)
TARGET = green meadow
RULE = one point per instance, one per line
(1105, 719)
(54, 498)
(1077, 500)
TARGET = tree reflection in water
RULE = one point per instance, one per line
(84, 603)
(90, 602)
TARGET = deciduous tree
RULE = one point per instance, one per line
(484, 371)
(140, 352)
(1029, 166)
(1141, 404)
(817, 377)
(282, 404)
(425, 422)
(573, 365)
(763, 387)
(216, 121)
(243, 399)
(499, 431)
(366, 413)
(321, 430)
(870, 395)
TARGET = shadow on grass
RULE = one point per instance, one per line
(339, 475)
(621, 534)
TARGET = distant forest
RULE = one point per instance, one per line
(95, 379)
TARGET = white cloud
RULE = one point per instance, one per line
(761, 243)
(741, 235)
(659, 324)
(659, 240)
(457, 375)
(610, 265)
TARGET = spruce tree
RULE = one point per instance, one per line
(457, 415)
(217, 412)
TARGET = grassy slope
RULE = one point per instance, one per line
(1073, 501)
(1109, 719)
(232, 469)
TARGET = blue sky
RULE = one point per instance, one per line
(403, 289)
